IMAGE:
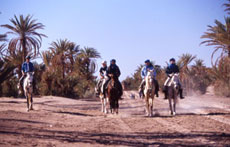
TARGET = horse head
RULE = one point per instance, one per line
(150, 79)
(175, 80)
(29, 79)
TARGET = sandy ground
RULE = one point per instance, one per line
(56, 121)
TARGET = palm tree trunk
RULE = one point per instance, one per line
(19, 76)
(23, 49)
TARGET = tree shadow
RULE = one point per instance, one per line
(12, 102)
(21, 120)
(125, 139)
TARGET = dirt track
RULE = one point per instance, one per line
(56, 121)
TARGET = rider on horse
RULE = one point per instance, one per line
(114, 70)
(148, 66)
(172, 68)
(26, 67)
(103, 74)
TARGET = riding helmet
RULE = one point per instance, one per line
(147, 61)
(28, 57)
(113, 60)
(104, 62)
(172, 59)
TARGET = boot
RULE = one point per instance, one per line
(141, 92)
(120, 94)
(181, 93)
(97, 92)
(157, 94)
(157, 88)
(165, 90)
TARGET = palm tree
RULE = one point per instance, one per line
(87, 56)
(72, 53)
(200, 76)
(218, 36)
(227, 6)
(6, 67)
(47, 57)
(2, 46)
(183, 63)
(27, 40)
(59, 52)
(3, 37)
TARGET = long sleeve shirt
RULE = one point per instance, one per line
(145, 70)
(27, 67)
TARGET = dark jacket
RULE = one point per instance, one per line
(114, 69)
(103, 71)
(172, 68)
(27, 67)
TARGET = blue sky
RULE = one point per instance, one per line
(128, 30)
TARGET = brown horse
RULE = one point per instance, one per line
(113, 94)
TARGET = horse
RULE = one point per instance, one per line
(103, 96)
(149, 92)
(28, 90)
(113, 94)
(172, 91)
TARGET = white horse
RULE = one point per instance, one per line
(173, 89)
(28, 89)
(149, 92)
(103, 97)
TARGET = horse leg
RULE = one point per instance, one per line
(31, 102)
(151, 105)
(111, 105)
(105, 108)
(174, 104)
(170, 105)
(27, 100)
(102, 104)
(147, 104)
(116, 106)
(106, 103)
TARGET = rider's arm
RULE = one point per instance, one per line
(23, 69)
(168, 71)
(155, 74)
(118, 72)
(31, 67)
(101, 73)
(143, 72)
(177, 69)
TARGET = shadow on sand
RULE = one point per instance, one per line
(123, 139)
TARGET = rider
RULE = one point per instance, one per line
(172, 68)
(115, 71)
(148, 66)
(26, 67)
(103, 74)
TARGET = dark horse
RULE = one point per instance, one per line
(113, 94)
